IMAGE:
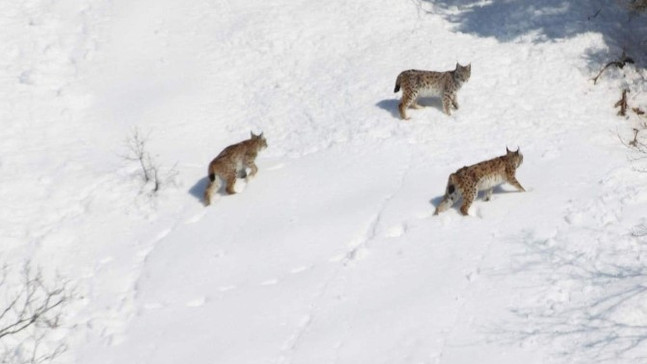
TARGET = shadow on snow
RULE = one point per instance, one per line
(589, 304)
(549, 20)
(197, 190)
(391, 105)
(498, 190)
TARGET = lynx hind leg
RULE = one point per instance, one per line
(213, 185)
(488, 194)
(408, 98)
(249, 162)
(207, 193)
(230, 180)
(253, 171)
(452, 194)
(468, 198)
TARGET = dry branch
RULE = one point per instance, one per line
(32, 311)
(622, 103)
(620, 63)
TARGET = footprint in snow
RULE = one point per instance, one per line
(162, 235)
(425, 214)
(472, 276)
(396, 231)
(196, 218)
(153, 306)
(574, 218)
(299, 269)
(226, 288)
(275, 167)
(200, 301)
(479, 213)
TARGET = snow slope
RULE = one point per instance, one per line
(331, 254)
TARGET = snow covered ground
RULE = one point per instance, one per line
(331, 254)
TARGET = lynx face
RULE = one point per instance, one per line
(483, 176)
(233, 162)
(415, 83)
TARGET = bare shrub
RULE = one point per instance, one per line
(150, 170)
(637, 5)
(621, 62)
(31, 314)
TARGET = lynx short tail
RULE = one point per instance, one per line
(212, 177)
(397, 84)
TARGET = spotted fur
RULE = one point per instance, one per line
(483, 176)
(415, 83)
(233, 162)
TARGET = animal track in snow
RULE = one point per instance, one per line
(226, 288)
(472, 276)
(200, 301)
(396, 231)
(195, 218)
(275, 167)
(425, 214)
(162, 235)
(299, 269)
(153, 305)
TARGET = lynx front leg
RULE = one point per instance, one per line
(513, 181)
(253, 171)
(249, 163)
(468, 198)
(447, 104)
(454, 102)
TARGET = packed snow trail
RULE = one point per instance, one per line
(331, 254)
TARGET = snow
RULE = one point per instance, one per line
(331, 253)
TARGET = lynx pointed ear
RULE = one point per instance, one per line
(260, 135)
(506, 149)
(252, 134)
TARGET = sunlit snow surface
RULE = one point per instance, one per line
(331, 253)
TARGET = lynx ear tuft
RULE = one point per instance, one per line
(507, 150)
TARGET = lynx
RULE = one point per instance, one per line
(416, 83)
(483, 176)
(232, 162)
